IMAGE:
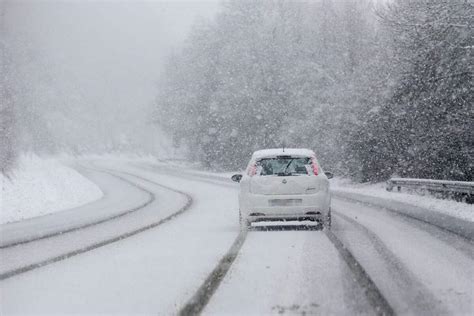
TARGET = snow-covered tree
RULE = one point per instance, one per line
(8, 147)
(373, 97)
(425, 127)
(265, 73)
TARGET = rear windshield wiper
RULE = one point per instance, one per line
(284, 173)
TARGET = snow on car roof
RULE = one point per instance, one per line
(281, 152)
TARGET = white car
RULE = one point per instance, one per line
(284, 185)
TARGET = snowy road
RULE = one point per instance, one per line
(163, 233)
(293, 271)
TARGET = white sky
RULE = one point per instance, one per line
(114, 50)
(110, 53)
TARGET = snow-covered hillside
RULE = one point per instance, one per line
(40, 186)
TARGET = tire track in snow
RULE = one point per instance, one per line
(458, 240)
(199, 300)
(449, 224)
(414, 291)
(17, 271)
(373, 294)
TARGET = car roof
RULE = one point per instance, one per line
(267, 153)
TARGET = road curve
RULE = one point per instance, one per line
(98, 231)
(372, 262)
(154, 271)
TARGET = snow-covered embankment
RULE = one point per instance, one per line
(40, 186)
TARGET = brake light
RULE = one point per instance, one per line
(314, 165)
(252, 170)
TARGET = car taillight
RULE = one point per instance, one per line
(314, 165)
(252, 170)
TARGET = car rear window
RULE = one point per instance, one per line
(283, 166)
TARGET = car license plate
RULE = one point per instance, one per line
(285, 202)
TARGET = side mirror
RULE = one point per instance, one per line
(330, 175)
(236, 177)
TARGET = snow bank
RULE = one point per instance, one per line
(448, 207)
(41, 186)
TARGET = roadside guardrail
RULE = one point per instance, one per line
(455, 188)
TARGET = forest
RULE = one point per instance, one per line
(375, 89)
